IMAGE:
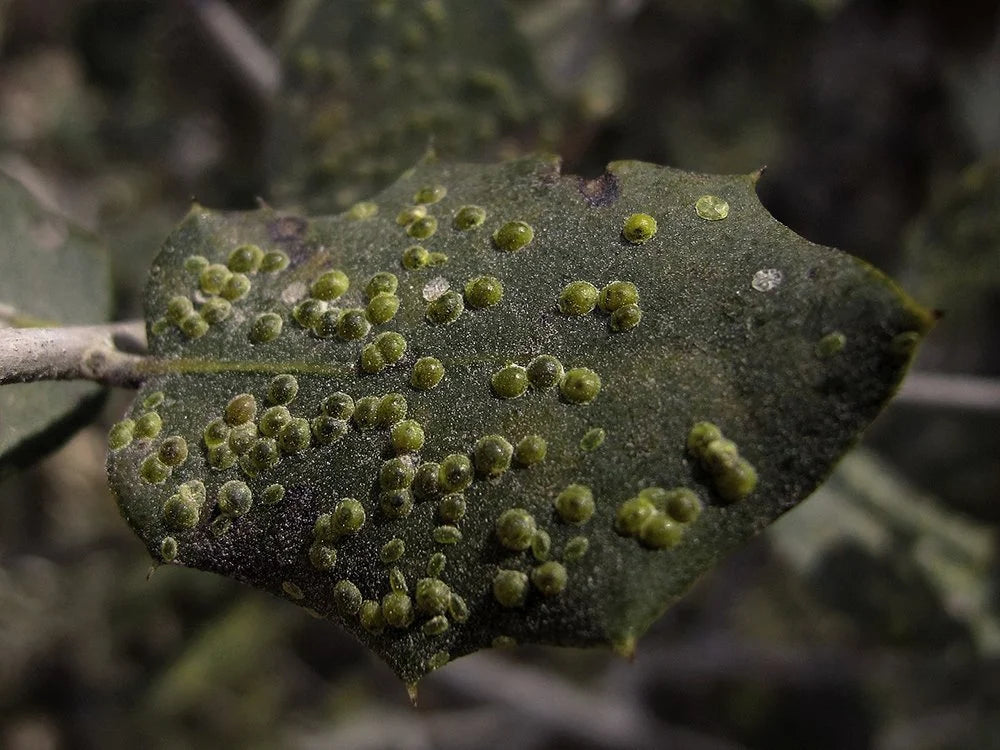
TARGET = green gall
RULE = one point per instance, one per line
(396, 503)
(282, 389)
(626, 317)
(272, 494)
(736, 481)
(483, 291)
(194, 326)
(435, 566)
(392, 407)
(220, 526)
(234, 498)
(682, 505)
(362, 210)
(397, 580)
(468, 217)
(409, 215)
(578, 298)
(530, 450)
(510, 382)
(407, 436)
(168, 549)
(370, 360)
(427, 373)
(148, 426)
(638, 228)
(831, 344)
(237, 286)
(242, 437)
(510, 587)
(309, 312)
(272, 420)
(391, 346)
(549, 578)
(348, 517)
(292, 590)
(435, 626)
(397, 609)
(328, 430)
(457, 608)
(338, 405)
(541, 545)
(575, 504)
(195, 263)
(430, 194)
(700, 435)
(592, 439)
(616, 294)
(245, 259)
(451, 508)
(395, 474)
(153, 400)
(221, 457)
(492, 455)
(580, 385)
(194, 488)
(425, 481)
(513, 236)
(329, 285)
(516, 529)
(181, 512)
(370, 616)
(545, 371)
(711, 208)
(322, 557)
(263, 454)
(178, 308)
(213, 278)
(326, 326)
(382, 308)
(576, 548)
(241, 409)
(415, 257)
(121, 434)
(215, 310)
(173, 451)
(446, 534)
(632, 516)
(381, 283)
(365, 414)
(346, 598)
(433, 596)
(455, 473)
(274, 261)
(295, 436)
(660, 532)
(446, 309)
(215, 433)
(392, 550)
(423, 228)
(353, 325)
(266, 328)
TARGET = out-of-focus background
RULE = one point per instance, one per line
(867, 618)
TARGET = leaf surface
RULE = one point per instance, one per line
(789, 349)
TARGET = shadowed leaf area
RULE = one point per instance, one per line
(497, 404)
(52, 274)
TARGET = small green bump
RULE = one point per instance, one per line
(575, 504)
(435, 566)
(328, 430)
(516, 529)
(338, 405)
(468, 217)
(831, 344)
(215, 433)
(213, 278)
(904, 344)
(451, 508)
(391, 346)
(446, 309)
(580, 385)
(660, 532)
(437, 259)
(181, 512)
(455, 473)
(578, 298)
(397, 581)
(626, 317)
(220, 526)
(617, 294)
(234, 498)
(195, 263)
(392, 550)
(347, 598)
(430, 194)
(576, 548)
(545, 371)
(510, 382)
(193, 488)
(159, 326)
(362, 210)
(632, 516)
(541, 545)
(737, 481)
(426, 485)
(215, 310)
(435, 626)
(383, 282)
(433, 596)
(549, 578)
(415, 257)
(407, 436)
(422, 228)
(682, 505)
(194, 326)
(701, 434)
(221, 457)
(639, 228)
(326, 326)
(322, 557)
(173, 451)
(274, 261)
(266, 328)
(282, 389)
(392, 408)
(370, 360)
(148, 426)
(427, 373)
(121, 434)
(168, 549)
(241, 409)
(308, 312)
(593, 439)
(295, 436)
(348, 517)
(439, 658)
(396, 473)
(457, 608)
(409, 215)
(492, 455)
(353, 325)
(530, 450)
(382, 308)
(245, 259)
(242, 437)
(719, 455)
(365, 414)
(513, 236)
(273, 494)
(711, 208)
(396, 503)
(370, 616)
(263, 454)
(272, 420)
(292, 590)
(178, 308)
(510, 588)
(483, 291)
(446, 534)
(329, 285)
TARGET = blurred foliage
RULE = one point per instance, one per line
(867, 113)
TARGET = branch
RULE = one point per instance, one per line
(108, 354)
